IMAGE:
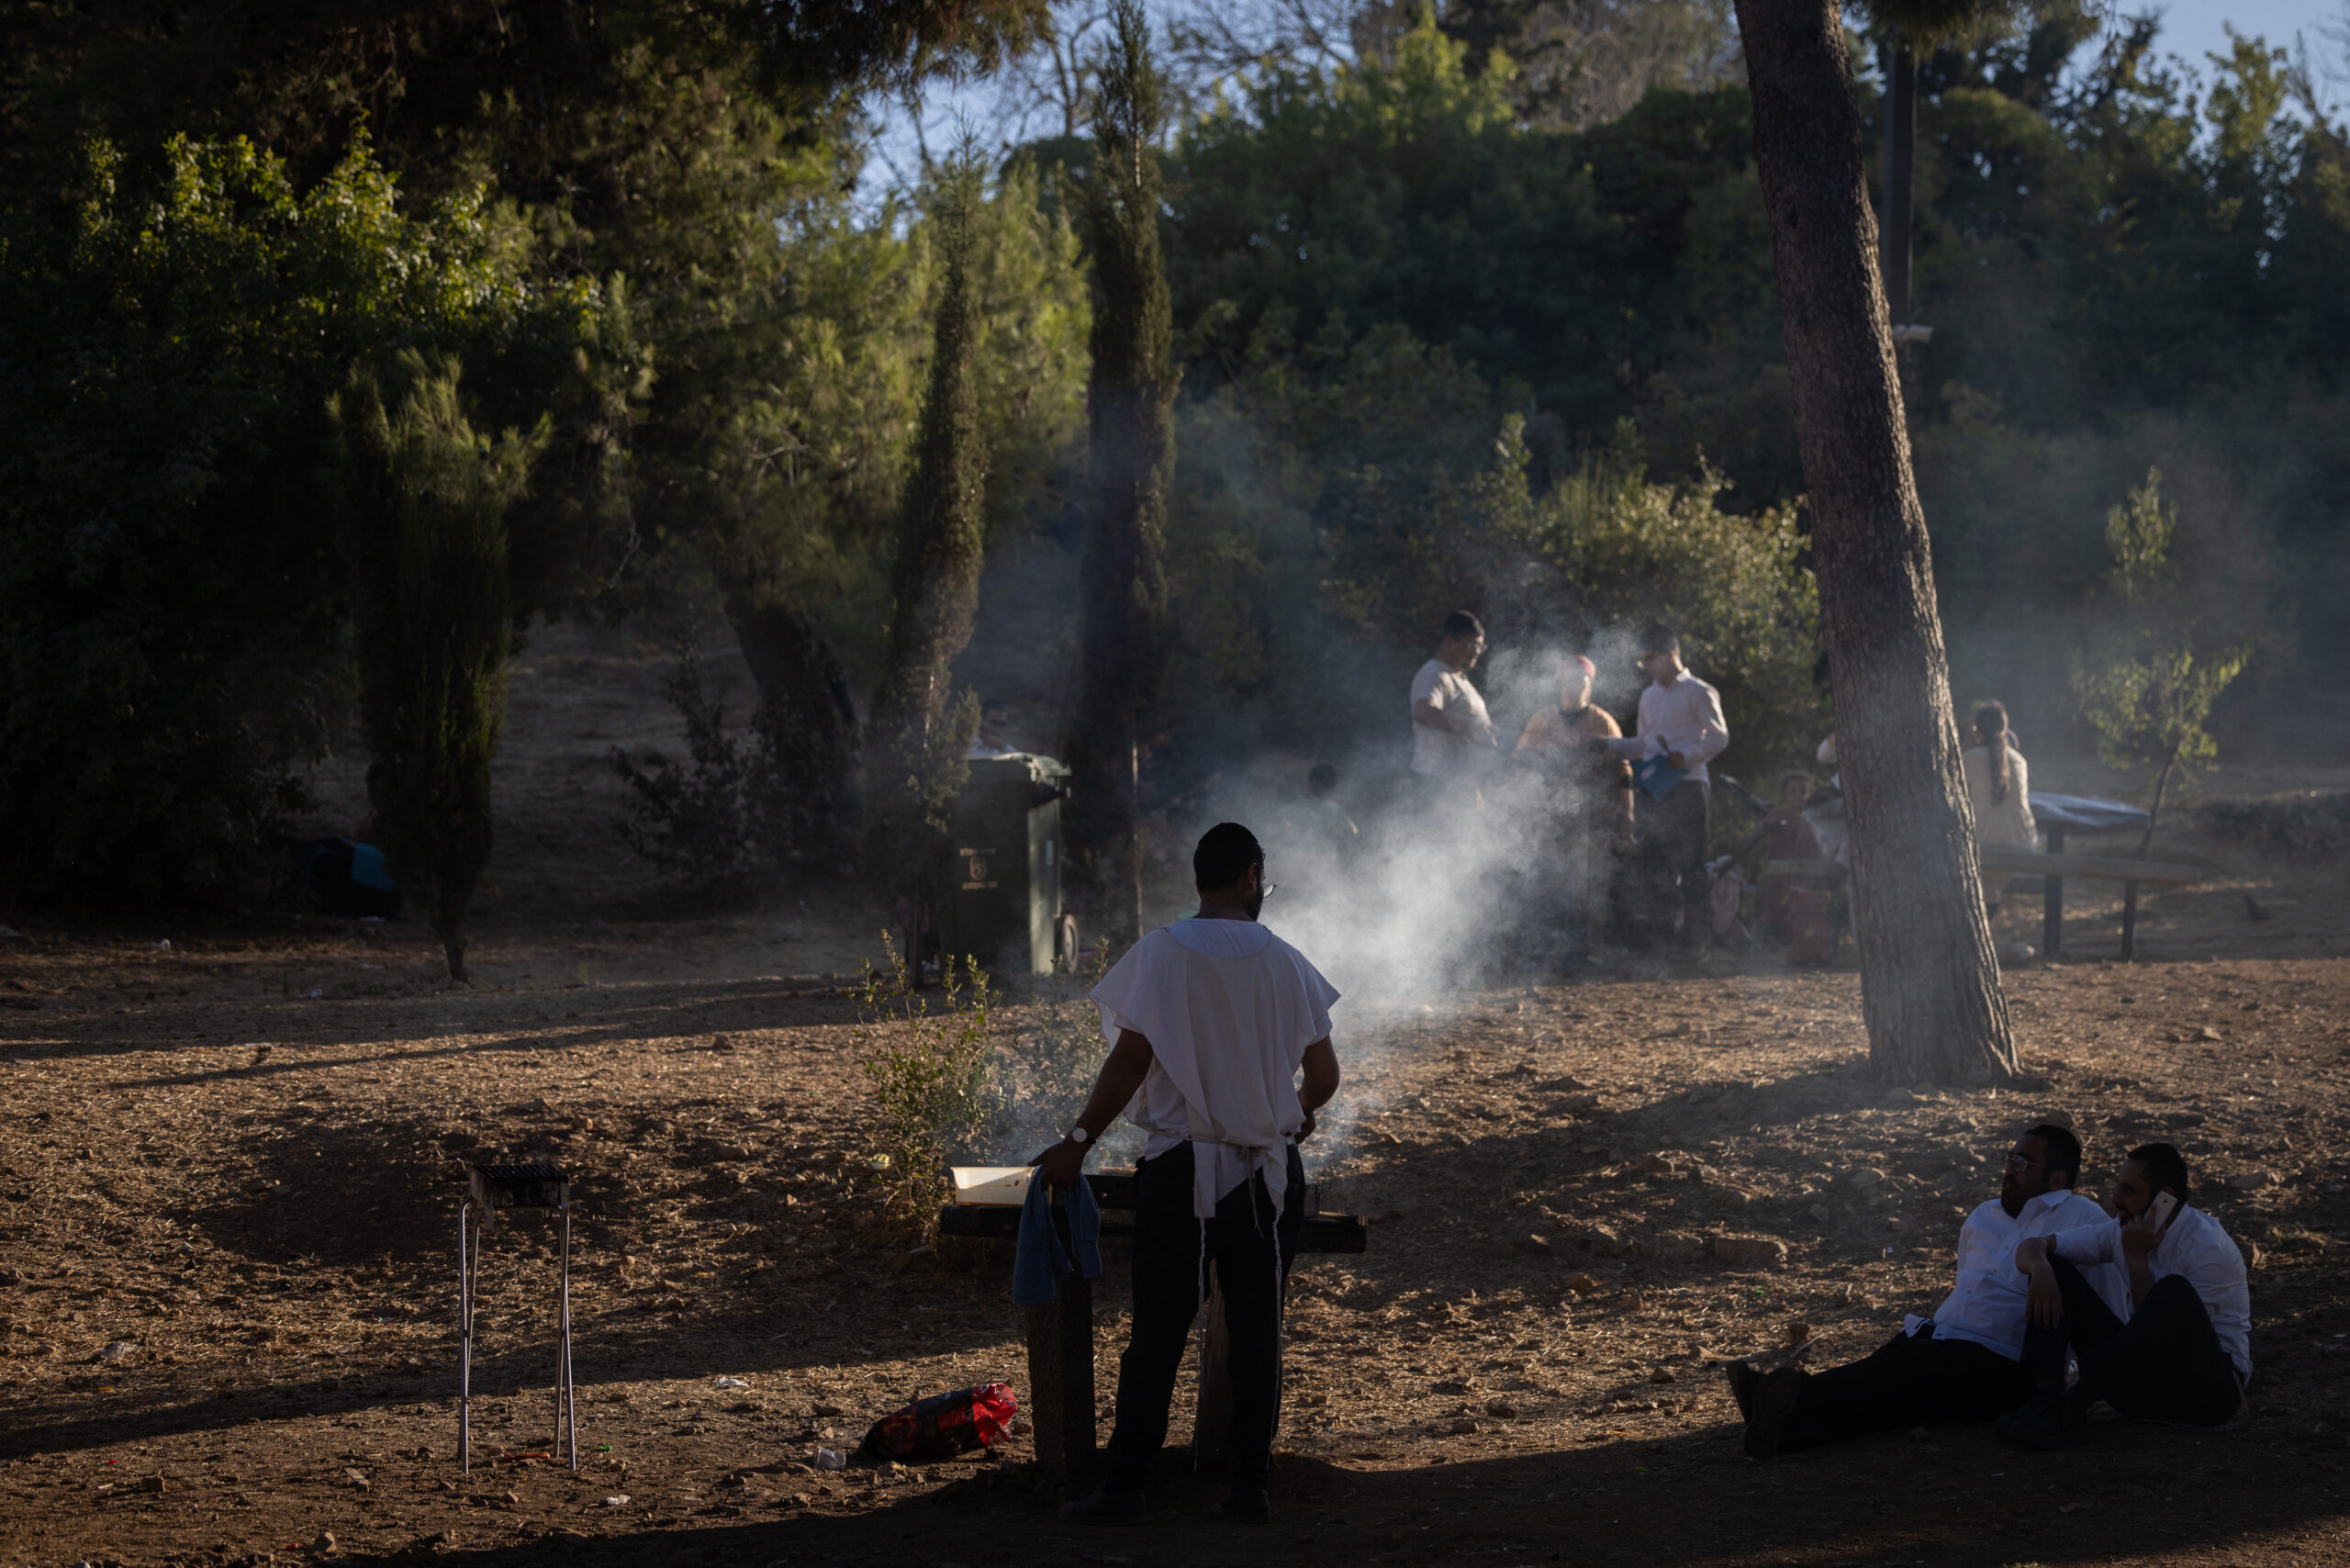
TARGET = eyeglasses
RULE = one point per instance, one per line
(1269, 890)
(2018, 1162)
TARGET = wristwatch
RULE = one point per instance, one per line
(1077, 1135)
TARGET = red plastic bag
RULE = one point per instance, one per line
(942, 1426)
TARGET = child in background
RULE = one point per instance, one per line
(1784, 834)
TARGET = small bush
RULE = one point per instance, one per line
(934, 1077)
(718, 824)
(1045, 1071)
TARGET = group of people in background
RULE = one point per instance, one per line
(1623, 835)
(1622, 840)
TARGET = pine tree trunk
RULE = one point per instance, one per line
(1130, 412)
(1930, 979)
(797, 672)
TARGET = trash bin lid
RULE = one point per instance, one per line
(1020, 763)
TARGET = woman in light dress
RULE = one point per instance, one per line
(1998, 784)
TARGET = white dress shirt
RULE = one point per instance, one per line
(1986, 1303)
(1229, 1009)
(2195, 1246)
(1686, 717)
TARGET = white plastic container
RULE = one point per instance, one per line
(990, 1186)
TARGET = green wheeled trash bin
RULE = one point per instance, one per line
(1002, 903)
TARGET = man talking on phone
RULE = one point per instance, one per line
(2183, 1350)
(1962, 1364)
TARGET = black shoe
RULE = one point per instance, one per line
(1105, 1508)
(1250, 1505)
(1776, 1393)
(2062, 1424)
(1742, 1380)
(2032, 1408)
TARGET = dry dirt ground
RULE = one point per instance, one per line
(226, 1233)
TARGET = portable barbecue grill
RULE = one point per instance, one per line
(536, 1185)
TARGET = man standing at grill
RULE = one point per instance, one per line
(1210, 1022)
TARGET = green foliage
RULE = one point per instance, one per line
(1579, 276)
(1045, 1066)
(1737, 586)
(722, 824)
(2149, 711)
(931, 1072)
(423, 505)
(2149, 693)
(2138, 536)
(170, 609)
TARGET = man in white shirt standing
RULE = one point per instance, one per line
(1966, 1362)
(2179, 1348)
(1680, 722)
(1452, 736)
(1211, 1020)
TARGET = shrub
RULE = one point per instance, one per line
(1627, 549)
(931, 1073)
(711, 823)
(1045, 1068)
(2149, 691)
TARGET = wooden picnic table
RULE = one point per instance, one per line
(1060, 1332)
(2058, 816)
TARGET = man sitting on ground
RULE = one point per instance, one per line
(2183, 1354)
(1214, 1020)
(1964, 1362)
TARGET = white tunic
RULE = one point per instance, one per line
(1229, 1009)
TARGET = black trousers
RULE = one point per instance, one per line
(1669, 877)
(1909, 1381)
(2164, 1364)
(1250, 1248)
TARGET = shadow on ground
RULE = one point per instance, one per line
(1961, 1498)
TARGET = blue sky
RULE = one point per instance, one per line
(2192, 27)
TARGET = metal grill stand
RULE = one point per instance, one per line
(538, 1185)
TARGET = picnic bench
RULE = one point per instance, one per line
(2053, 868)
(1060, 1332)
(2058, 815)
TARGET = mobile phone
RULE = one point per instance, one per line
(2166, 1205)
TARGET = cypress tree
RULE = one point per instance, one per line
(919, 731)
(1130, 414)
(423, 501)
